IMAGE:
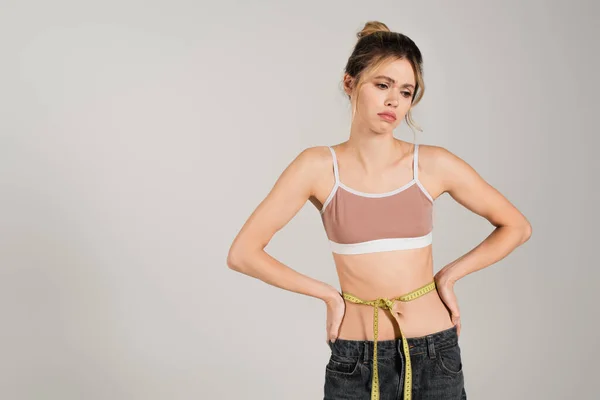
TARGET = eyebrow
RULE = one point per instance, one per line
(387, 78)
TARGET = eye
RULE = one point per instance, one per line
(382, 84)
(406, 94)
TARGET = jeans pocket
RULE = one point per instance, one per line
(342, 365)
(449, 360)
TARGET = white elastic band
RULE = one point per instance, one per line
(378, 245)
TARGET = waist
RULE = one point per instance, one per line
(417, 317)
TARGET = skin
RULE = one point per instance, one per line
(372, 160)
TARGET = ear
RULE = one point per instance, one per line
(348, 84)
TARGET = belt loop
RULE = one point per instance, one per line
(430, 347)
(365, 352)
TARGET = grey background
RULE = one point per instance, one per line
(137, 137)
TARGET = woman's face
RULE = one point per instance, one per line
(390, 89)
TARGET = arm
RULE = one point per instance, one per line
(289, 194)
(467, 187)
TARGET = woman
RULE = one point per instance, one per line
(393, 331)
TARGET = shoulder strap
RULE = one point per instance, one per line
(416, 162)
(335, 165)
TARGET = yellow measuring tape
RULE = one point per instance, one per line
(388, 304)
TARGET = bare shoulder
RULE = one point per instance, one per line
(306, 175)
(316, 155)
(441, 170)
(313, 161)
(431, 156)
(319, 161)
(441, 163)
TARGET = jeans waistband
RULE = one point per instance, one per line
(427, 344)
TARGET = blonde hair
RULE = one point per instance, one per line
(377, 46)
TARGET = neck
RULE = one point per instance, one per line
(375, 152)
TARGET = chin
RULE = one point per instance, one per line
(386, 127)
(383, 131)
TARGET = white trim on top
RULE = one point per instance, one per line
(336, 172)
(416, 162)
(425, 192)
(385, 194)
(328, 200)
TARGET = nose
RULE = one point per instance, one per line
(392, 100)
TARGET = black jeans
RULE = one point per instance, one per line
(436, 368)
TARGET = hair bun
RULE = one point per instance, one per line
(372, 27)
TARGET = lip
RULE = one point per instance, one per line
(389, 116)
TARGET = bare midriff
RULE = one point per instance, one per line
(390, 274)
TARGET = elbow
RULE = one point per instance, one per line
(242, 254)
(240, 258)
(526, 232)
(234, 259)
